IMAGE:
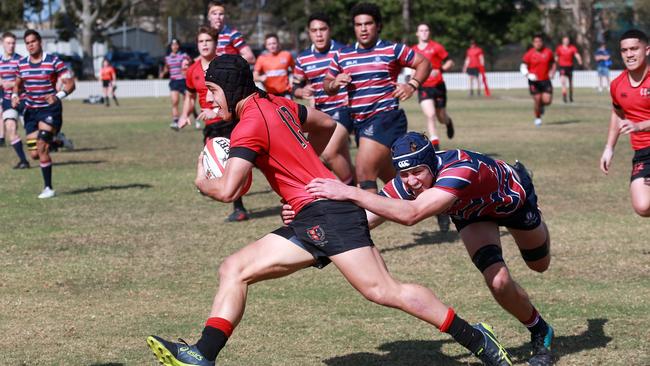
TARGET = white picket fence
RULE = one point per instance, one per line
(454, 81)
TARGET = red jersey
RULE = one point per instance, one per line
(635, 104)
(565, 55)
(539, 62)
(474, 54)
(436, 54)
(195, 82)
(269, 134)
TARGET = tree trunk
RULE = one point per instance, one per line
(583, 21)
(406, 19)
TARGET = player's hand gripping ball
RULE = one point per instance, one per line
(215, 157)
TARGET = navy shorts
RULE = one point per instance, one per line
(177, 85)
(472, 71)
(384, 127)
(342, 116)
(539, 87)
(527, 217)
(641, 164)
(326, 228)
(52, 115)
(438, 93)
(6, 105)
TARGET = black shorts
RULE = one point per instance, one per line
(538, 87)
(438, 93)
(327, 228)
(566, 71)
(219, 129)
(106, 83)
(641, 164)
(527, 217)
(472, 71)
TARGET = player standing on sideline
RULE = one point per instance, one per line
(309, 73)
(604, 62)
(269, 134)
(10, 115)
(474, 61)
(109, 77)
(369, 70)
(631, 116)
(230, 41)
(38, 74)
(480, 194)
(432, 94)
(206, 40)
(539, 67)
(273, 67)
(564, 54)
(173, 65)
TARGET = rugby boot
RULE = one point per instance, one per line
(238, 215)
(176, 354)
(541, 344)
(450, 129)
(492, 353)
(22, 165)
(174, 126)
(67, 143)
(443, 223)
(47, 193)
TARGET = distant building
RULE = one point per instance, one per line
(135, 39)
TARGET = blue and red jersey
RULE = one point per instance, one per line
(373, 70)
(484, 187)
(8, 72)
(174, 63)
(230, 41)
(39, 80)
(312, 66)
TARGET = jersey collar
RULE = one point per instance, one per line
(358, 47)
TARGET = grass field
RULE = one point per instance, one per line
(128, 248)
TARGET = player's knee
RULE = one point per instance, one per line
(230, 270)
(500, 283)
(377, 293)
(487, 256)
(642, 210)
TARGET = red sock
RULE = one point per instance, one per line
(220, 323)
(448, 319)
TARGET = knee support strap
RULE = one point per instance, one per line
(487, 256)
(31, 144)
(368, 184)
(531, 255)
(10, 114)
(46, 136)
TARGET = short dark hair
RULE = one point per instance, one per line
(204, 29)
(634, 33)
(538, 35)
(271, 35)
(319, 16)
(216, 3)
(31, 32)
(366, 9)
(8, 35)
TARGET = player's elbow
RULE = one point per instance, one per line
(410, 218)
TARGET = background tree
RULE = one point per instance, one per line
(11, 14)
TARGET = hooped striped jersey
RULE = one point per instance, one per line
(174, 63)
(39, 80)
(8, 72)
(230, 41)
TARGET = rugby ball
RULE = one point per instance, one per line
(215, 157)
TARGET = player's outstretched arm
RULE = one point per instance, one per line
(320, 127)
(428, 203)
(228, 187)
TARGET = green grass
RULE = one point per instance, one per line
(128, 248)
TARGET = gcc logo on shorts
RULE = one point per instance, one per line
(317, 235)
(404, 164)
(49, 120)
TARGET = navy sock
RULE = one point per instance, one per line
(46, 170)
(18, 147)
(239, 204)
(536, 324)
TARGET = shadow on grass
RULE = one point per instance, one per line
(426, 353)
(109, 188)
(427, 238)
(78, 162)
(266, 212)
(88, 149)
(566, 122)
(264, 191)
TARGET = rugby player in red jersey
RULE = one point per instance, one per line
(369, 70)
(474, 62)
(269, 134)
(539, 67)
(480, 194)
(564, 54)
(631, 116)
(230, 40)
(38, 74)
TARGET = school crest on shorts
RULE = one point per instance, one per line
(49, 120)
(317, 235)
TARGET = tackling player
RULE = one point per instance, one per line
(309, 73)
(174, 65)
(539, 67)
(432, 94)
(10, 115)
(38, 74)
(564, 54)
(631, 116)
(214, 126)
(273, 67)
(480, 194)
(230, 41)
(269, 134)
(474, 61)
(369, 70)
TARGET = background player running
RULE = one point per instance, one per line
(269, 135)
(369, 70)
(229, 41)
(174, 66)
(273, 67)
(631, 116)
(309, 74)
(474, 62)
(480, 194)
(564, 54)
(10, 115)
(539, 67)
(38, 74)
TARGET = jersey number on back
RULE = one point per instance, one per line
(293, 126)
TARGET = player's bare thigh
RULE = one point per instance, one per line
(640, 193)
(546, 98)
(480, 235)
(372, 156)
